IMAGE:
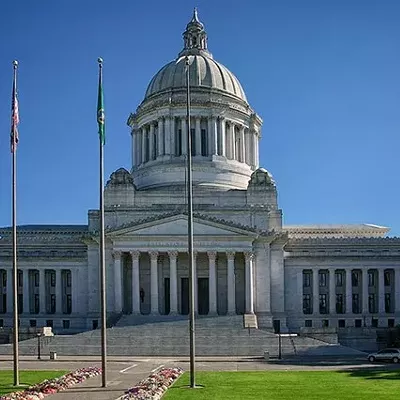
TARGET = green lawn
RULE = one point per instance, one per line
(291, 385)
(26, 378)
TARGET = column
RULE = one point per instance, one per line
(249, 283)
(222, 125)
(160, 139)
(315, 290)
(231, 282)
(247, 154)
(254, 149)
(25, 287)
(230, 142)
(172, 131)
(332, 291)
(198, 136)
(42, 291)
(133, 147)
(59, 291)
(183, 135)
(349, 292)
(135, 282)
(154, 282)
(139, 147)
(10, 292)
(213, 136)
(397, 289)
(381, 291)
(167, 136)
(151, 141)
(143, 144)
(212, 281)
(117, 282)
(173, 282)
(242, 144)
(365, 294)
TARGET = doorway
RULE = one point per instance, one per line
(167, 304)
(203, 296)
(184, 296)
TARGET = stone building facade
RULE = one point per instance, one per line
(247, 262)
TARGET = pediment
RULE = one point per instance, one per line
(178, 226)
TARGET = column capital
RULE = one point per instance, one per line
(230, 255)
(248, 255)
(153, 255)
(173, 254)
(135, 254)
(212, 255)
(117, 255)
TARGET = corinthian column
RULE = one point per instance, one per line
(249, 283)
(117, 282)
(222, 136)
(242, 150)
(213, 136)
(167, 136)
(154, 282)
(135, 282)
(161, 136)
(151, 142)
(143, 157)
(230, 255)
(212, 280)
(173, 256)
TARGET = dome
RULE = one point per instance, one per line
(204, 71)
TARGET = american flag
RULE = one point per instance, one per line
(14, 118)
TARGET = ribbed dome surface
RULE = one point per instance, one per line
(204, 72)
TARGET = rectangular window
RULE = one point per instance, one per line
(52, 278)
(32, 323)
(325, 323)
(356, 303)
(387, 278)
(178, 143)
(66, 323)
(357, 323)
(95, 324)
(374, 322)
(355, 278)
(193, 141)
(36, 305)
(52, 304)
(323, 308)
(388, 303)
(308, 323)
(19, 278)
(68, 308)
(3, 309)
(68, 277)
(307, 305)
(372, 303)
(49, 323)
(1, 323)
(204, 143)
(307, 279)
(339, 304)
(371, 278)
(339, 278)
(322, 278)
(342, 323)
(391, 323)
(4, 279)
(36, 278)
(20, 303)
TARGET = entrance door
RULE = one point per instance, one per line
(203, 296)
(185, 296)
(167, 307)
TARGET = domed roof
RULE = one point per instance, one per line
(204, 71)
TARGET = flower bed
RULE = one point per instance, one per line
(51, 386)
(154, 386)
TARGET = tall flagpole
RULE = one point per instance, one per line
(101, 121)
(190, 231)
(14, 140)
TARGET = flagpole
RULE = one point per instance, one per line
(190, 232)
(14, 230)
(102, 249)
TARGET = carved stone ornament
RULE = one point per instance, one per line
(135, 254)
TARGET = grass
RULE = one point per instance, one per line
(282, 385)
(26, 378)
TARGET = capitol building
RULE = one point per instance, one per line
(247, 261)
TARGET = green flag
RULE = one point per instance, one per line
(100, 106)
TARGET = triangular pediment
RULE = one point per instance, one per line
(178, 226)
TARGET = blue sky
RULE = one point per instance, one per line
(323, 75)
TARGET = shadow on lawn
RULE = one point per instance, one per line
(317, 361)
(389, 372)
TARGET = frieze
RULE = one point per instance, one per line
(37, 254)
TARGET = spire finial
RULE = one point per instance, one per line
(195, 16)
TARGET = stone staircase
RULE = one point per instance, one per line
(169, 336)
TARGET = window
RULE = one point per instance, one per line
(371, 278)
(388, 303)
(3, 308)
(36, 278)
(307, 306)
(356, 303)
(52, 304)
(36, 304)
(49, 323)
(372, 303)
(325, 323)
(374, 322)
(147, 147)
(52, 279)
(204, 142)
(95, 324)
(32, 323)
(193, 142)
(387, 277)
(66, 323)
(4, 279)
(342, 323)
(178, 143)
(322, 278)
(323, 309)
(19, 278)
(307, 278)
(68, 275)
(20, 303)
(68, 305)
(355, 278)
(339, 304)
(154, 150)
(339, 278)
(391, 323)
(357, 323)
(1, 323)
(308, 323)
